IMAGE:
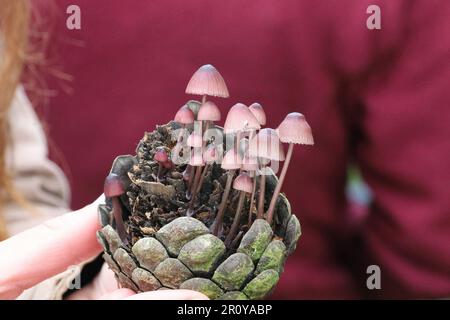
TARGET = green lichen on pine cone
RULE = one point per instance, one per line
(166, 249)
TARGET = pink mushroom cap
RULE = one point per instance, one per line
(295, 129)
(231, 160)
(266, 144)
(184, 115)
(195, 140)
(243, 182)
(258, 112)
(210, 155)
(161, 155)
(209, 112)
(113, 186)
(207, 81)
(240, 118)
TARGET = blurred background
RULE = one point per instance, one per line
(373, 190)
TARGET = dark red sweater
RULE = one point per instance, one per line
(380, 98)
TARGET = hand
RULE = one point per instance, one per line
(50, 248)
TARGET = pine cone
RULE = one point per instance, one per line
(167, 244)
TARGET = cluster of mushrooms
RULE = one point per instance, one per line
(250, 155)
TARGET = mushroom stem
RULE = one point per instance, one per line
(194, 186)
(277, 190)
(219, 217)
(160, 171)
(252, 199)
(252, 196)
(206, 166)
(191, 180)
(199, 186)
(117, 213)
(262, 191)
(236, 220)
(203, 98)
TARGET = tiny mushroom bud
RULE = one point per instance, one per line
(161, 157)
(113, 189)
(210, 155)
(244, 184)
(293, 130)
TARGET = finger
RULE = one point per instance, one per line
(105, 281)
(169, 295)
(118, 294)
(46, 250)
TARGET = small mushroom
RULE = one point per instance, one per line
(239, 119)
(231, 162)
(184, 116)
(293, 129)
(266, 147)
(113, 189)
(208, 113)
(210, 155)
(161, 157)
(244, 184)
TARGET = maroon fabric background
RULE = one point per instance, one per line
(379, 98)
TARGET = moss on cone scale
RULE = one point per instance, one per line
(234, 271)
(149, 252)
(172, 273)
(256, 239)
(262, 284)
(179, 232)
(205, 286)
(273, 257)
(169, 249)
(201, 254)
